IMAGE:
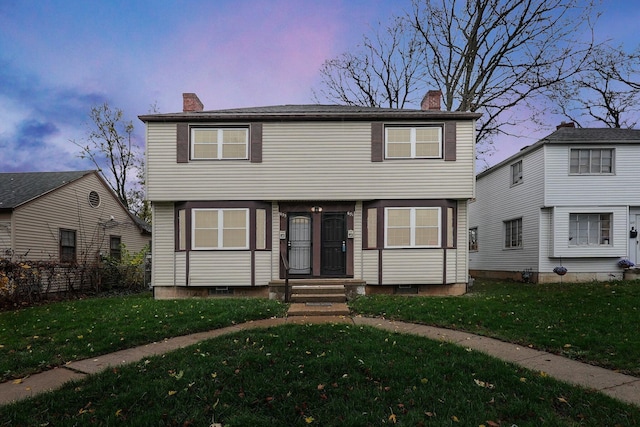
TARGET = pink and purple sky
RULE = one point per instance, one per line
(60, 58)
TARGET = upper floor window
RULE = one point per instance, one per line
(589, 229)
(516, 172)
(416, 142)
(219, 143)
(591, 161)
(412, 227)
(473, 239)
(67, 245)
(513, 233)
(220, 228)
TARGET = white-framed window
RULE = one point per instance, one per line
(513, 233)
(224, 143)
(413, 142)
(589, 229)
(516, 173)
(586, 161)
(220, 228)
(412, 227)
(473, 239)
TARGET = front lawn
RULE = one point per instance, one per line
(41, 337)
(324, 375)
(597, 323)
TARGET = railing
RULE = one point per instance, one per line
(285, 264)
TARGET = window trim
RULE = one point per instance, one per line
(412, 227)
(508, 231)
(64, 259)
(591, 150)
(115, 253)
(220, 227)
(412, 141)
(220, 144)
(574, 240)
(516, 168)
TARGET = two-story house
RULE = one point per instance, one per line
(569, 200)
(374, 196)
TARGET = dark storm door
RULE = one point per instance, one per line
(299, 244)
(334, 244)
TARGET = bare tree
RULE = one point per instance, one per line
(606, 91)
(385, 71)
(111, 148)
(486, 56)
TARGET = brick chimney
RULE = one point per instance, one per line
(566, 125)
(191, 102)
(431, 100)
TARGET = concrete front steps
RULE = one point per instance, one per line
(318, 300)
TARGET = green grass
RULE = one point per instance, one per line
(41, 337)
(325, 375)
(598, 323)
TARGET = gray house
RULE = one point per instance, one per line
(569, 200)
(67, 217)
(332, 192)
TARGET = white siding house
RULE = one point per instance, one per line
(331, 192)
(568, 200)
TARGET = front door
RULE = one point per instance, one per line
(333, 254)
(299, 244)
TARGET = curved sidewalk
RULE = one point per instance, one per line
(620, 386)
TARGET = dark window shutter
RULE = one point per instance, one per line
(377, 142)
(255, 140)
(182, 144)
(450, 141)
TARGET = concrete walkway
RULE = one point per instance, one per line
(623, 387)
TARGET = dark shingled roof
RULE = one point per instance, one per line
(582, 136)
(21, 187)
(592, 135)
(308, 112)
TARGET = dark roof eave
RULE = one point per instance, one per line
(399, 115)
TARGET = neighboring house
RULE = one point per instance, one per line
(568, 200)
(372, 196)
(65, 217)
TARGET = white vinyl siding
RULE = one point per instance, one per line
(308, 161)
(412, 267)
(219, 143)
(561, 244)
(220, 228)
(220, 268)
(164, 258)
(412, 227)
(498, 201)
(419, 142)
